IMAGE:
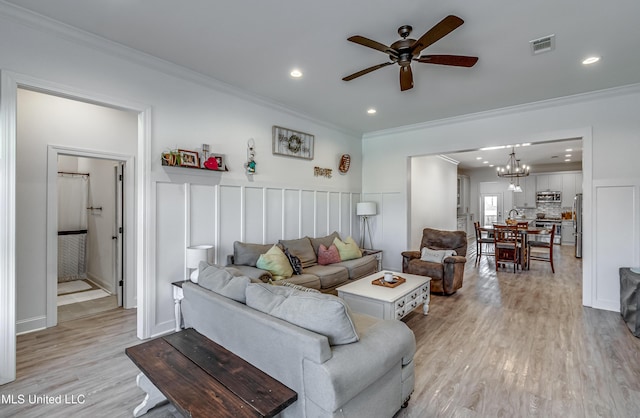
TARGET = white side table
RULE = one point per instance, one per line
(178, 295)
(377, 254)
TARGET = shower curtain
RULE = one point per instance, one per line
(73, 193)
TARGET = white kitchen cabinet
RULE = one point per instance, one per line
(568, 189)
(568, 234)
(464, 193)
(549, 182)
(526, 198)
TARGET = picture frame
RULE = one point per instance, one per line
(189, 158)
(220, 158)
(290, 143)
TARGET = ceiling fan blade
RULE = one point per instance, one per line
(406, 78)
(443, 28)
(456, 60)
(361, 40)
(366, 71)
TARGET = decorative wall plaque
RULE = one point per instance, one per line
(292, 143)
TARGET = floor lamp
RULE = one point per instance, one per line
(365, 210)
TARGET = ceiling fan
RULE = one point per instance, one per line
(405, 50)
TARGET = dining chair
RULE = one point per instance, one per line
(507, 245)
(482, 242)
(544, 249)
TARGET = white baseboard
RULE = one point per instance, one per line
(31, 324)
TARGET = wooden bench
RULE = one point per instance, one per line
(202, 379)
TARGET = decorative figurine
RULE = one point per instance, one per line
(251, 162)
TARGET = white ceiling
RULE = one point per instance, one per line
(538, 156)
(254, 44)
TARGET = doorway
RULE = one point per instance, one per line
(490, 208)
(90, 234)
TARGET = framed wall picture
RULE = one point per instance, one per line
(292, 143)
(189, 158)
(220, 160)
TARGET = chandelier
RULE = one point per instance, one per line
(513, 169)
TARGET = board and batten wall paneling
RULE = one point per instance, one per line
(291, 213)
(230, 220)
(195, 213)
(253, 215)
(387, 227)
(308, 213)
(202, 215)
(170, 247)
(616, 238)
(274, 214)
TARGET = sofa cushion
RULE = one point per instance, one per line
(348, 249)
(247, 254)
(326, 241)
(307, 280)
(276, 263)
(360, 267)
(329, 276)
(329, 255)
(225, 281)
(327, 315)
(302, 249)
(435, 256)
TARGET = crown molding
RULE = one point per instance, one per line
(78, 36)
(527, 107)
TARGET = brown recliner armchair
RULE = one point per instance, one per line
(446, 277)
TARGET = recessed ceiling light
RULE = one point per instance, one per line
(567, 155)
(295, 73)
(491, 165)
(485, 162)
(478, 158)
(568, 150)
(590, 60)
(568, 160)
(371, 111)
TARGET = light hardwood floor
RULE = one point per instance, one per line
(505, 345)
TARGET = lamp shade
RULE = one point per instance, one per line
(198, 253)
(366, 208)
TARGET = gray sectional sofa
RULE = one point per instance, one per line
(341, 364)
(325, 278)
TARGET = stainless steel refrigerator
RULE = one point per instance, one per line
(577, 223)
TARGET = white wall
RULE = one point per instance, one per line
(187, 111)
(101, 223)
(43, 120)
(433, 196)
(607, 122)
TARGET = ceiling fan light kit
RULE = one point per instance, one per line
(405, 50)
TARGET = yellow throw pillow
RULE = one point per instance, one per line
(348, 249)
(276, 263)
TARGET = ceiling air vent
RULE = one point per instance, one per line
(545, 44)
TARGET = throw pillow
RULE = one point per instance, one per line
(302, 249)
(324, 314)
(296, 265)
(327, 241)
(329, 255)
(435, 256)
(348, 249)
(247, 254)
(276, 263)
(228, 282)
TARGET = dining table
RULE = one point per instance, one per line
(524, 233)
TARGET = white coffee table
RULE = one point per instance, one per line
(386, 302)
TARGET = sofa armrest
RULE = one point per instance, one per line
(386, 344)
(410, 255)
(455, 259)
(254, 273)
